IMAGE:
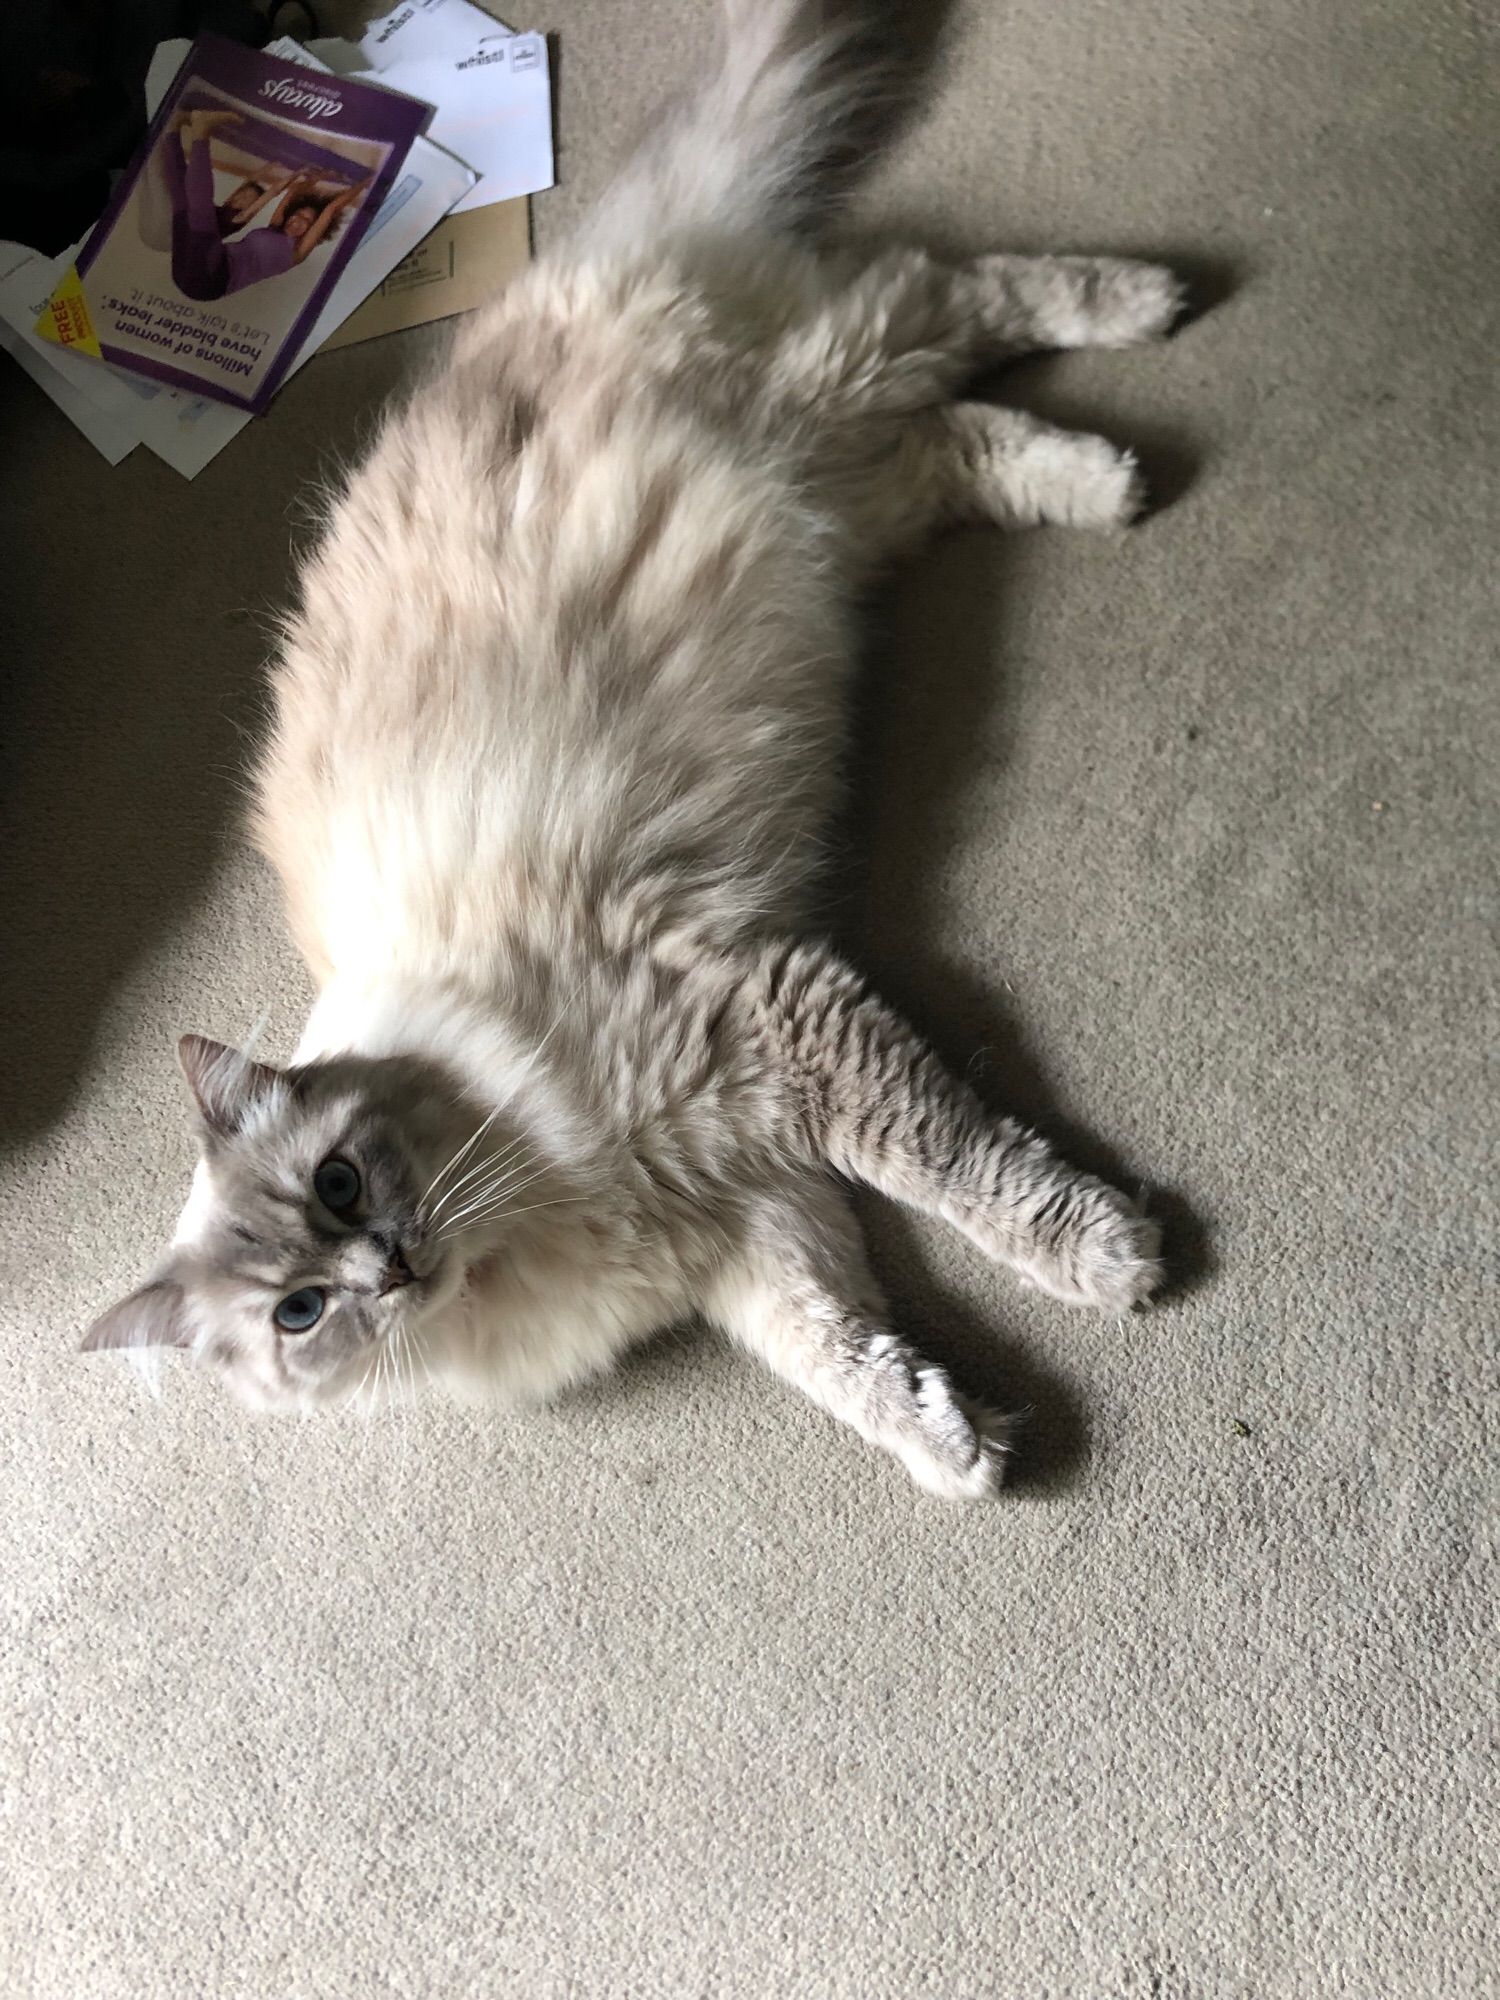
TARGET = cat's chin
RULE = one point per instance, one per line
(390, 1367)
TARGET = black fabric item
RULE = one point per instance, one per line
(72, 105)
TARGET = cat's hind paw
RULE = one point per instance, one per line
(1123, 303)
(1040, 476)
(1103, 487)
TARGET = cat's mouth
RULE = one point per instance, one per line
(409, 1289)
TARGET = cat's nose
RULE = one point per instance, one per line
(397, 1272)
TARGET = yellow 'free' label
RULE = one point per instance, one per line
(65, 319)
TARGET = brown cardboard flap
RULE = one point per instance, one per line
(456, 266)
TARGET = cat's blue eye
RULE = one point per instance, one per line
(337, 1184)
(300, 1311)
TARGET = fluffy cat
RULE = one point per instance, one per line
(556, 730)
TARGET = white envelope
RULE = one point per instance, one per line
(493, 108)
(421, 29)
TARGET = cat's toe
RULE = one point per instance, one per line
(1121, 1265)
(1075, 481)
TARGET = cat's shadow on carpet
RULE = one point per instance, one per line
(933, 688)
(136, 686)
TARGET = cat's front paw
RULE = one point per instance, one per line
(957, 1449)
(1104, 1252)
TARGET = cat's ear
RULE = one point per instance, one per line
(225, 1081)
(155, 1316)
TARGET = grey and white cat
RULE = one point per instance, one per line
(557, 729)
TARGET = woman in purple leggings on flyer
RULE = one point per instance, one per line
(204, 265)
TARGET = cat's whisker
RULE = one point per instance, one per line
(504, 1185)
(410, 1345)
(374, 1403)
(461, 1185)
(501, 1209)
(481, 1198)
(491, 1201)
(506, 1173)
(490, 1163)
(477, 1171)
(503, 1191)
(463, 1151)
(388, 1420)
(557, 1022)
(363, 1382)
(515, 1158)
(366, 1395)
(561, 1201)
(256, 1034)
(501, 1164)
(398, 1409)
(406, 1375)
(454, 1159)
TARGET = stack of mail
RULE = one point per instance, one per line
(453, 227)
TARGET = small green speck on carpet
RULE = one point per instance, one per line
(1242, 1429)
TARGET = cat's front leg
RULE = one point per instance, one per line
(869, 1098)
(799, 1293)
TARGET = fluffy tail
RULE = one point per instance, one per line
(771, 139)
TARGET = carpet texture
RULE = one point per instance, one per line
(1182, 843)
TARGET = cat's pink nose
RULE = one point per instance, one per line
(396, 1274)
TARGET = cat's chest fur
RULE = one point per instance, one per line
(538, 1315)
(629, 1252)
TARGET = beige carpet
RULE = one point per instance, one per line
(1186, 840)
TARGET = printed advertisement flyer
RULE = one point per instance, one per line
(231, 226)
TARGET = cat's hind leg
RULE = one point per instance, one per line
(905, 331)
(1019, 472)
(894, 482)
(867, 1097)
(1018, 305)
(799, 1293)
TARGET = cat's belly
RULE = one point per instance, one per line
(627, 694)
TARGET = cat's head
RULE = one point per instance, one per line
(309, 1240)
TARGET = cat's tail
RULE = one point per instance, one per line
(772, 137)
